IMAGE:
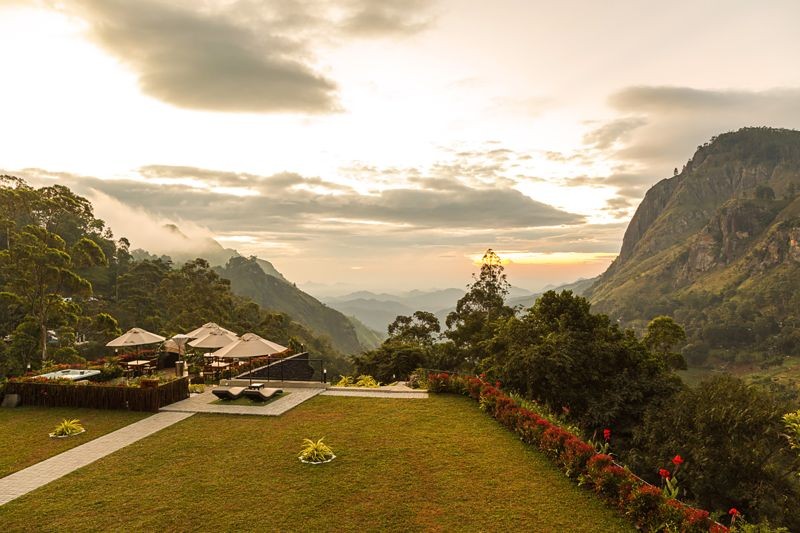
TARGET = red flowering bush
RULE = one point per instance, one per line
(645, 504)
(439, 382)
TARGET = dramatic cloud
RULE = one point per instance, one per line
(206, 61)
(613, 132)
(387, 17)
(239, 56)
(293, 205)
(665, 124)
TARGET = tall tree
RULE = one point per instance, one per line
(663, 335)
(479, 313)
(39, 270)
(421, 328)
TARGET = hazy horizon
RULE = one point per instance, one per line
(384, 146)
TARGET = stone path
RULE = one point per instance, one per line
(40, 474)
(383, 392)
(202, 403)
(398, 390)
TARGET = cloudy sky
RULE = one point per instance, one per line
(385, 144)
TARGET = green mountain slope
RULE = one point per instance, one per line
(249, 279)
(716, 246)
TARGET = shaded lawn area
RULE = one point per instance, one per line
(438, 465)
(24, 431)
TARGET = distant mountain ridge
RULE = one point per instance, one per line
(716, 246)
(248, 278)
(259, 280)
(378, 310)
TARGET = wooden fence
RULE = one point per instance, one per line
(100, 396)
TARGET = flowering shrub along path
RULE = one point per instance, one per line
(644, 504)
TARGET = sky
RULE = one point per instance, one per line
(384, 145)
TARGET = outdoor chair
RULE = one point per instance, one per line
(263, 394)
(231, 393)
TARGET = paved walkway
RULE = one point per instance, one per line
(202, 403)
(366, 393)
(392, 391)
(40, 474)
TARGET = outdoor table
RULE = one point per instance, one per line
(218, 366)
(255, 386)
(137, 364)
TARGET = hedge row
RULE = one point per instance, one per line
(96, 396)
(644, 504)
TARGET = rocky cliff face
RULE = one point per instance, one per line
(724, 230)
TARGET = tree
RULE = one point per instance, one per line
(561, 354)
(662, 336)
(392, 360)
(420, 328)
(479, 313)
(39, 270)
(730, 436)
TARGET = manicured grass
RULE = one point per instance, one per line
(247, 401)
(435, 465)
(24, 431)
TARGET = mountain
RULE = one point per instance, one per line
(184, 248)
(249, 279)
(378, 310)
(579, 287)
(717, 246)
(375, 314)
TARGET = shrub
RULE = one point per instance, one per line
(67, 428)
(315, 451)
(645, 504)
(366, 381)
(344, 381)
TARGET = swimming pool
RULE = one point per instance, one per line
(70, 373)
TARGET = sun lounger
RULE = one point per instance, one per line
(263, 394)
(231, 393)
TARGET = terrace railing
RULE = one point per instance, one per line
(298, 367)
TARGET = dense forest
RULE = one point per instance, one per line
(68, 287)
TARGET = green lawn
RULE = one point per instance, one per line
(24, 432)
(435, 465)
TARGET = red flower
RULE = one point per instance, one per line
(734, 512)
(664, 473)
(607, 434)
(677, 460)
(497, 384)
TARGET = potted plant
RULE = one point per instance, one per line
(316, 452)
(67, 428)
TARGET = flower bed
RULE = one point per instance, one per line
(644, 504)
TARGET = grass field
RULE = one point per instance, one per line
(24, 431)
(435, 465)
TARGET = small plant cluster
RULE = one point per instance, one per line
(315, 452)
(197, 388)
(649, 507)
(360, 381)
(68, 428)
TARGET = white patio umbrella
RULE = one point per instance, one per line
(249, 346)
(205, 329)
(215, 338)
(135, 337)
